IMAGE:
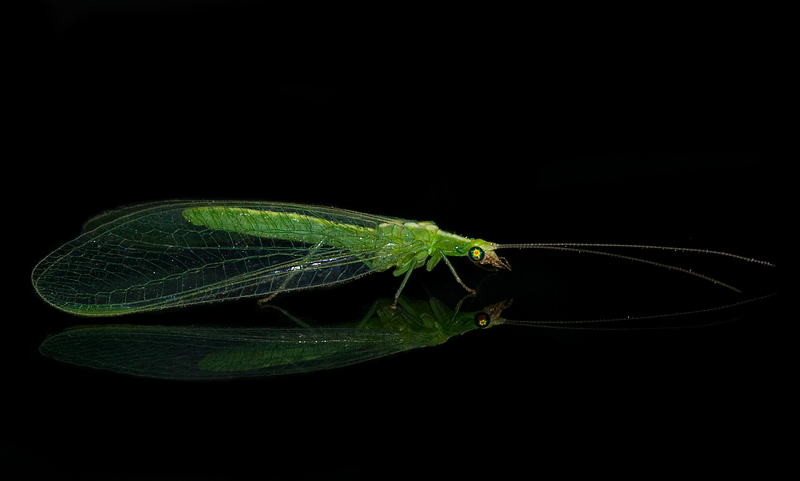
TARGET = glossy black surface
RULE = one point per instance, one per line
(509, 126)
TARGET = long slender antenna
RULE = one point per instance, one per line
(556, 245)
(580, 324)
(577, 247)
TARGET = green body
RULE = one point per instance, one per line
(177, 253)
(221, 353)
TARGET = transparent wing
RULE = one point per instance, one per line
(217, 353)
(151, 257)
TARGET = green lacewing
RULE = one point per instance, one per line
(207, 353)
(179, 253)
(224, 353)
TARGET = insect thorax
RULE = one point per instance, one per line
(416, 241)
(418, 233)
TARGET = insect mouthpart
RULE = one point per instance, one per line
(487, 259)
(491, 314)
(492, 261)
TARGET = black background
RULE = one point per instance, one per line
(663, 127)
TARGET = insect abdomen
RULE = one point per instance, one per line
(279, 225)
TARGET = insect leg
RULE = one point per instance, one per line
(264, 300)
(371, 311)
(287, 314)
(402, 285)
(456, 311)
(453, 270)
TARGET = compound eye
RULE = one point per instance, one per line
(482, 320)
(476, 254)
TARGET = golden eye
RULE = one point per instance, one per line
(476, 254)
(482, 320)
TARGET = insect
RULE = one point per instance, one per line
(207, 353)
(179, 253)
(222, 353)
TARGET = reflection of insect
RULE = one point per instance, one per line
(177, 253)
(220, 353)
(225, 353)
